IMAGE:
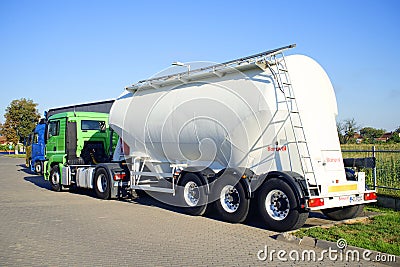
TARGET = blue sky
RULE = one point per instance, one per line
(65, 52)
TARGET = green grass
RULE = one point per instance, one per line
(380, 233)
(20, 156)
(387, 165)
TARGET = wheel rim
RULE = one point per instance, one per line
(229, 198)
(38, 168)
(102, 183)
(55, 178)
(191, 193)
(277, 205)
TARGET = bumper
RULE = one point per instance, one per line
(326, 202)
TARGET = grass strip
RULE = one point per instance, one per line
(380, 233)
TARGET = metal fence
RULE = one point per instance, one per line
(385, 176)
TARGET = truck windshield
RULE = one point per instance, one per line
(93, 125)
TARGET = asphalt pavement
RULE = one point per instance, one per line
(39, 227)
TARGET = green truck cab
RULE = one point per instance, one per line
(76, 141)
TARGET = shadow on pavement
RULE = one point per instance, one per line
(315, 218)
(25, 169)
(38, 181)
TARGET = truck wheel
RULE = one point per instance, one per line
(38, 167)
(102, 184)
(55, 180)
(193, 195)
(231, 204)
(278, 208)
(343, 213)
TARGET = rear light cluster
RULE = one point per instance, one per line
(119, 176)
(315, 202)
(370, 196)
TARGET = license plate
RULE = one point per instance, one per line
(352, 199)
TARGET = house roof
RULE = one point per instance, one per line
(3, 139)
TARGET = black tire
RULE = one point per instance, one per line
(343, 213)
(38, 167)
(231, 203)
(282, 213)
(55, 178)
(101, 184)
(192, 195)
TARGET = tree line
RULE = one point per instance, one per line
(350, 132)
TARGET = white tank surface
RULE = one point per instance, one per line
(233, 117)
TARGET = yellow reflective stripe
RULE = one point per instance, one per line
(339, 188)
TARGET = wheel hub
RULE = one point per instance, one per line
(277, 205)
(55, 178)
(229, 198)
(191, 194)
(102, 183)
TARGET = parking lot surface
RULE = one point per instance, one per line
(39, 227)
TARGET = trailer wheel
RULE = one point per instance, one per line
(55, 180)
(343, 213)
(193, 197)
(278, 208)
(38, 167)
(232, 205)
(101, 184)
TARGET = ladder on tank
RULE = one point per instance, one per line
(279, 70)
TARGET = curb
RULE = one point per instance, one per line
(307, 241)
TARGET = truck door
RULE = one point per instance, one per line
(55, 147)
(71, 140)
(28, 149)
(35, 145)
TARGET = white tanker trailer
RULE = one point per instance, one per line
(257, 129)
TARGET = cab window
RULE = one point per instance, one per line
(54, 129)
(93, 125)
(36, 138)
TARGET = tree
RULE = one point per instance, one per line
(21, 117)
(395, 138)
(370, 133)
(346, 130)
(340, 129)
